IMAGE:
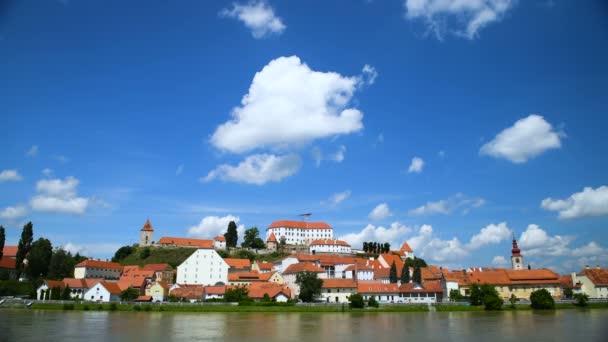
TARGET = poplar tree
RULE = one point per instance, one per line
(231, 235)
(25, 244)
(2, 240)
(405, 274)
(417, 276)
(393, 273)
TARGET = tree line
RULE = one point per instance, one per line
(376, 247)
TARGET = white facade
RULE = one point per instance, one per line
(99, 293)
(97, 270)
(301, 235)
(589, 288)
(361, 274)
(329, 246)
(384, 297)
(447, 286)
(219, 243)
(337, 295)
(203, 267)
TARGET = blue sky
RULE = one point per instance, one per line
(193, 113)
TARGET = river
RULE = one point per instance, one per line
(560, 325)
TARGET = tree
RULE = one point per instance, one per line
(2, 240)
(122, 253)
(542, 300)
(568, 293)
(39, 258)
(266, 298)
(372, 302)
(387, 247)
(392, 275)
(513, 299)
(25, 244)
(61, 265)
(405, 274)
(144, 253)
(231, 235)
(66, 294)
(55, 293)
(581, 299)
(455, 295)
(310, 285)
(417, 276)
(237, 294)
(365, 247)
(282, 243)
(356, 301)
(129, 294)
(478, 293)
(252, 239)
(492, 302)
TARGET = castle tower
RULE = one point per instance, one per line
(146, 234)
(517, 260)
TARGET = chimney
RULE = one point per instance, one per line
(597, 267)
(586, 267)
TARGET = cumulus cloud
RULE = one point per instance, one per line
(587, 203)
(395, 235)
(590, 249)
(447, 206)
(369, 74)
(491, 234)
(10, 176)
(257, 16)
(337, 198)
(536, 241)
(257, 169)
(32, 152)
(431, 208)
(526, 139)
(289, 104)
(93, 250)
(212, 226)
(13, 213)
(463, 18)
(499, 261)
(380, 212)
(59, 196)
(416, 165)
(427, 246)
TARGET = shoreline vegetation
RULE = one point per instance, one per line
(260, 307)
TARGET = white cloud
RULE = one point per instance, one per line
(47, 172)
(338, 198)
(257, 169)
(395, 235)
(212, 226)
(416, 166)
(587, 203)
(526, 139)
(12, 213)
(431, 208)
(427, 246)
(93, 250)
(380, 212)
(10, 176)
(468, 16)
(449, 205)
(500, 261)
(179, 170)
(32, 152)
(590, 249)
(338, 156)
(491, 234)
(369, 74)
(535, 241)
(60, 196)
(288, 104)
(257, 16)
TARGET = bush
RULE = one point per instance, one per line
(581, 299)
(492, 302)
(85, 308)
(100, 307)
(136, 308)
(356, 301)
(478, 293)
(246, 302)
(68, 306)
(144, 253)
(113, 307)
(372, 302)
(455, 295)
(542, 300)
(513, 300)
(147, 307)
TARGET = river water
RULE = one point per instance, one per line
(560, 325)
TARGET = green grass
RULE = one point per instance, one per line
(159, 255)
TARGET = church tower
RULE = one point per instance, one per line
(146, 234)
(517, 260)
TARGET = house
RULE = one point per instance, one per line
(214, 292)
(219, 242)
(276, 292)
(291, 272)
(282, 264)
(457, 281)
(334, 265)
(593, 282)
(158, 291)
(8, 268)
(91, 268)
(430, 292)
(203, 267)
(338, 290)
(359, 272)
(406, 251)
(383, 293)
(9, 252)
(568, 284)
(246, 278)
(518, 282)
(162, 272)
(238, 265)
(329, 246)
(299, 232)
(135, 277)
(103, 291)
(262, 267)
(184, 242)
(46, 289)
(79, 286)
(191, 293)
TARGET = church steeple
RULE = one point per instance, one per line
(517, 260)
(146, 234)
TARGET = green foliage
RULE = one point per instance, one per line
(568, 293)
(113, 307)
(68, 306)
(542, 300)
(16, 288)
(310, 285)
(415, 262)
(86, 308)
(122, 253)
(417, 276)
(513, 299)
(39, 258)
(245, 254)
(61, 265)
(231, 235)
(173, 299)
(223, 253)
(492, 302)
(455, 295)
(55, 293)
(405, 274)
(129, 294)
(2, 240)
(144, 253)
(24, 246)
(478, 293)
(393, 274)
(65, 294)
(136, 308)
(237, 294)
(372, 302)
(581, 299)
(266, 298)
(252, 239)
(376, 248)
(356, 301)
(171, 256)
(4, 274)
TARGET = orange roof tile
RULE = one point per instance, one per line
(303, 267)
(376, 287)
(391, 258)
(135, 278)
(99, 264)
(188, 292)
(358, 267)
(428, 286)
(185, 242)
(7, 263)
(113, 288)
(597, 277)
(257, 290)
(9, 251)
(535, 276)
(147, 227)
(566, 281)
(271, 238)
(406, 248)
(220, 238)
(329, 242)
(158, 267)
(144, 299)
(238, 263)
(299, 224)
(430, 273)
(215, 290)
(74, 283)
(90, 282)
(265, 265)
(54, 283)
(245, 276)
(332, 260)
(339, 283)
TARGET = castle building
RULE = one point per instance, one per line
(517, 260)
(299, 232)
(146, 234)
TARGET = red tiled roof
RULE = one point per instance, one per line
(538, 276)
(392, 258)
(246, 276)
(215, 290)
(113, 288)
(144, 299)
(54, 283)
(8, 263)
(406, 248)
(332, 260)
(265, 265)
(299, 224)
(188, 292)
(358, 267)
(303, 267)
(271, 238)
(330, 242)
(220, 238)
(147, 227)
(238, 263)
(257, 290)
(566, 281)
(74, 283)
(376, 287)
(135, 278)
(429, 286)
(158, 267)
(339, 283)
(430, 273)
(597, 277)
(9, 251)
(185, 242)
(99, 264)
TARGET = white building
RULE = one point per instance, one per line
(299, 232)
(593, 282)
(47, 288)
(203, 267)
(98, 269)
(219, 242)
(103, 292)
(359, 272)
(338, 290)
(292, 271)
(329, 246)
(383, 293)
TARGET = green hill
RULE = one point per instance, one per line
(157, 255)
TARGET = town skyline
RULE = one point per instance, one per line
(388, 122)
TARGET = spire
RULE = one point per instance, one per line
(515, 251)
(147, 227)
